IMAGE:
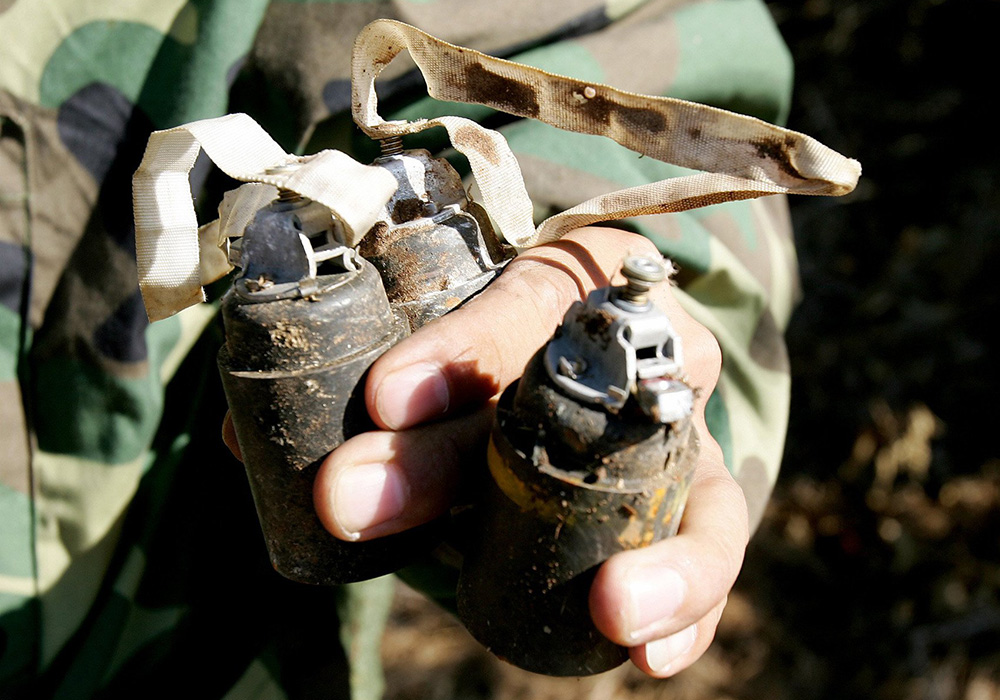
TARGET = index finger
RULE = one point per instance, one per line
(475, 351)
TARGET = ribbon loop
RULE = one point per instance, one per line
(740, 158)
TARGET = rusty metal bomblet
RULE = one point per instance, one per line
(591, 453)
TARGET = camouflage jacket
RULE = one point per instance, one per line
(130, 559)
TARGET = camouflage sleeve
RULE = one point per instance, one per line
(129, 547)
(81, 374)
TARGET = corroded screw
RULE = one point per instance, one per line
(391, 146)
(642, 274)
(284, 194)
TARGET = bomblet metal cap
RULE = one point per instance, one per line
(288, 245)
(618, 344)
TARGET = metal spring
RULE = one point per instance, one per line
(642, 274)
(286, 195)
(391, 146)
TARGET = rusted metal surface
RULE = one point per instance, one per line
(572, 484)
(434, 248)
(430, 269)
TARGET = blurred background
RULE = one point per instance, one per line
(876, 572)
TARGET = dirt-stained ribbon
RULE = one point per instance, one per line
(747, 157)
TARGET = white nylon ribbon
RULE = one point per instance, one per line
(174, 258)
(740, 158)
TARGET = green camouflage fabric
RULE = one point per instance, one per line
(130, 559)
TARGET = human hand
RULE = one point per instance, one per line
(433, 396)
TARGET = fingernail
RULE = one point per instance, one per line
(662, 653)
(655, 594)
(411, 395)
(367, 495)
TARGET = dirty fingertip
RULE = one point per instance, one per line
(412, 395)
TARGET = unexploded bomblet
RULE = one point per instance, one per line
(591, 454)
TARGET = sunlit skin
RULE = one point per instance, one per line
(433, 394)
